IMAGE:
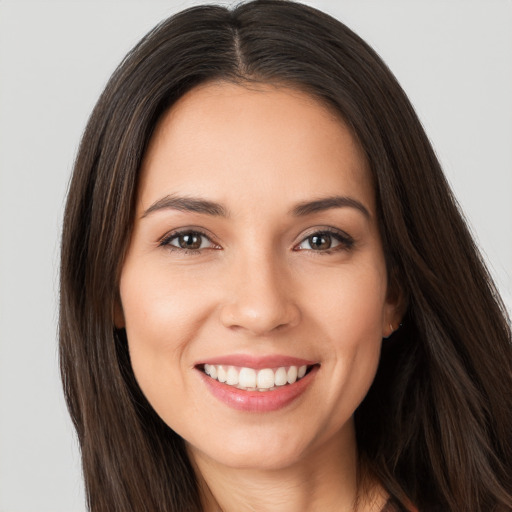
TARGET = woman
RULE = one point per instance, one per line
(269, 300)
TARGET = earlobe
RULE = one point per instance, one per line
(387, 331)
(390, 329)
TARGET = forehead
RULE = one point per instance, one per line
(223, 138)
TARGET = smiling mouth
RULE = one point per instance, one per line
(250, 379)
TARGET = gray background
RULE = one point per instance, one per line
(454, 59)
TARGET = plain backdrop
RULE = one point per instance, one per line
(453, 58)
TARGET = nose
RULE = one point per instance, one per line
(260, 298)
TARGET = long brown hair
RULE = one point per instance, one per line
(436, 426)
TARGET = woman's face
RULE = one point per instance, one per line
(255, 256)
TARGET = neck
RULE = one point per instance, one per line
(326, 479)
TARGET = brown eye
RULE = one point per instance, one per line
(326, 242)
(189, 241)
(320, 242)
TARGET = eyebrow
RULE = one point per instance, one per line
(198, 205)
(187, 204)
(320, 205)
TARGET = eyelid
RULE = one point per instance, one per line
(346, 242)
(164, 241)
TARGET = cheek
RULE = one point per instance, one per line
(348, 315)
(160, 310)
(161, 318)
(351, 302)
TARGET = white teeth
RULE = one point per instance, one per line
(292, 374)
(221, 374)
(281, 377)
(210, 370)
(266, 379)
(232, 376)
(247, 378)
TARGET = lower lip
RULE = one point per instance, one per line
(258, 401)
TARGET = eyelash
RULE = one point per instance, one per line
(346, 242)
(166, 241)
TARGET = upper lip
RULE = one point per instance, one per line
(256, 362)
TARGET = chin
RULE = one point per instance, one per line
(257, 459)
(253, 450)
(260, 449)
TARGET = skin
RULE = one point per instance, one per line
(257, 286)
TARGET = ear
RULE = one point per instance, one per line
(118, 314)
(395, 306)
